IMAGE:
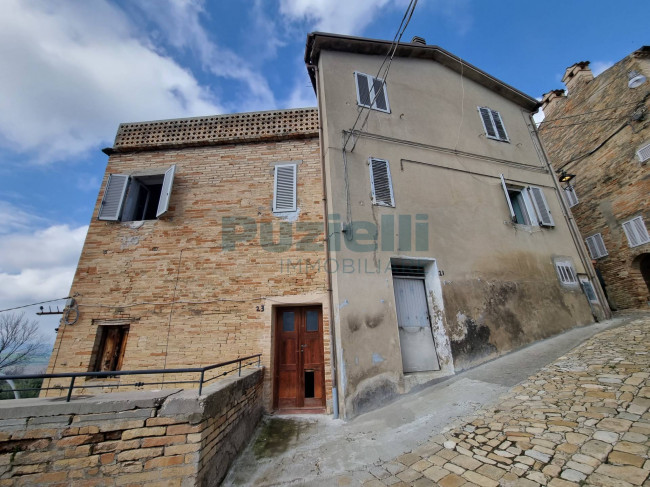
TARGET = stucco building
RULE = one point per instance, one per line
(598, 131)
(409, 228)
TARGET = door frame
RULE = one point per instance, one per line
(275, 342)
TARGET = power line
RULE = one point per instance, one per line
(586, 121)
(33, 304)
(593, 111)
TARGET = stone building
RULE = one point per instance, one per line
(360, 259)
(598, 131)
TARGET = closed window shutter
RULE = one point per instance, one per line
(379, 93)
(113, 200)
(591, 245)
(600, 245)
(380, 181)
(644, 153)
(363, 90)
(487, 122)
(498, 124)
(165, 193)
(636, 232)
(284, 198)
(571, 197)
(541, 207)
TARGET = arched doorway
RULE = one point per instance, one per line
(644, 267)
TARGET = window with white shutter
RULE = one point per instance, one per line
(636, 232)
(371, 92)
(137, 197)
(493, 124)
(596, 246)
(284, 191)
(643, 153)
(544, 217)
(571, 196)
(380, 183)
(566, 272)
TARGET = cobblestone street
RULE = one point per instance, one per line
(582, 420)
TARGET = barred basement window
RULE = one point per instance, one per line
(596, 246)
(493, 125)
(566, 272)
(636, 232)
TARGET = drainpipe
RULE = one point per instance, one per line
(321, 142)
(573, 229)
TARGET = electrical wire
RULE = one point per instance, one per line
(585, 122)
(589, 113)
(33, 304)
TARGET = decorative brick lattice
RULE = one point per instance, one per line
(218, 129)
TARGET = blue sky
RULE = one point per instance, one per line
(73, 70)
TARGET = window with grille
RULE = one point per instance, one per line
(371, 92)
(566, 272)
(284, 188)
(636, 232)
(493, 124)
(381, 184)
(596, 246)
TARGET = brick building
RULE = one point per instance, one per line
(599, 132)
(183, 262)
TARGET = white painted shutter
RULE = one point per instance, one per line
(111, 206)
(284, 197)
(381, 184)
(644, 153)
(600, 245)
(541, 207)
(487, 122)
(498, 124)
(380, 95)
(571, 196)
(166, 192)
(591, 245)
(513, 217)
(363, 90)
(636, 232)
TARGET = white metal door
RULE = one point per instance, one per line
(415, 335)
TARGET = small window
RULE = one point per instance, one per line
(636, 232)
(527, 205)
(566, 272)
(570, 195)
(371, 92)
(493, 125)
(284, 191)
(138, 197)
(588, 289)
(111, 341)
(596, 246)
(380, 183)
(643, 153)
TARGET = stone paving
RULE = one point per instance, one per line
(582, 420)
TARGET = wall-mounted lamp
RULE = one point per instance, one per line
(565, 177)
(635, 79)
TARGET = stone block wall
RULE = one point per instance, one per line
(594, 132)
(166, 438)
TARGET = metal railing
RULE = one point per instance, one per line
(241, 362)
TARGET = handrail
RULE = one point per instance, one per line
(114, 373)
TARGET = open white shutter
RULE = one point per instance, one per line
(363, 89)
(113, 200)
(380, 183)
(284, 194)
(498, 125)
(541, 207)
(166, 191)
(600, 245)
(591, 245)
(571, 196)
(505, 192)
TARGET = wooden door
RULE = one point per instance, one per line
(299, 378)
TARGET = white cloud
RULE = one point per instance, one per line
(77, 70)
(600, 66)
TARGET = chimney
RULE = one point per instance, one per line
(418, 40)
(577, 76)
(552, 100)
